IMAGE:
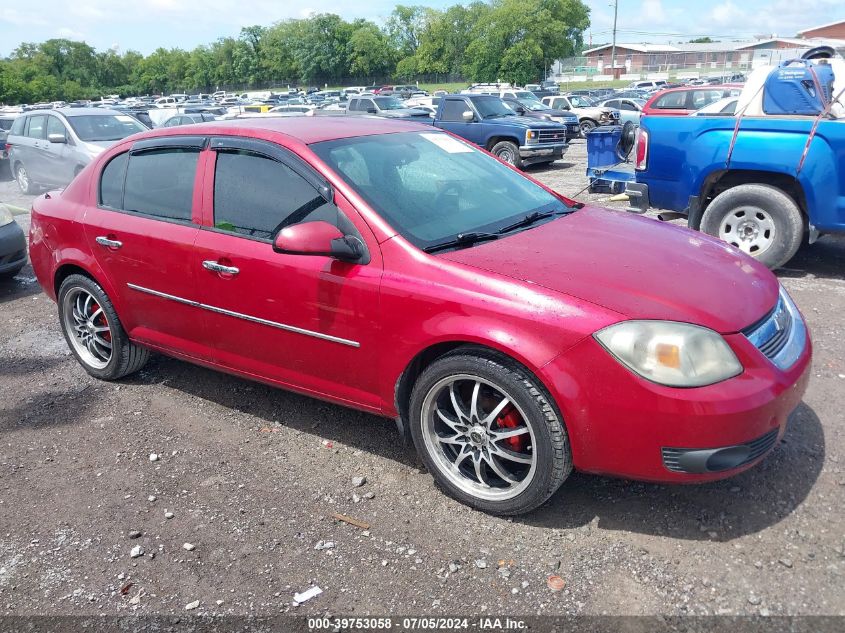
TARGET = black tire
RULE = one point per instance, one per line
(587, 126)
(550, 448)
(25, 184)
(508, 152)
(126, 357)
(780, 207)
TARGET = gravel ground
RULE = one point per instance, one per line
(251, 476)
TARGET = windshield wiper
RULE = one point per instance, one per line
(462, 239)
(533, 218)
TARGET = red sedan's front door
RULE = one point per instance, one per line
(309, 322)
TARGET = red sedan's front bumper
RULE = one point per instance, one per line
(619, 423)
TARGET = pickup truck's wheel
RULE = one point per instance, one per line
(488, 432)
(507, 152)
(94, 333)
(587, 126)
(760, 220)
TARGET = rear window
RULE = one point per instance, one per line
(111, 182)
(17, 126)
(6, 124)
(160, 183)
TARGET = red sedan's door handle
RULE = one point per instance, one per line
(213, 266)
(102, 240)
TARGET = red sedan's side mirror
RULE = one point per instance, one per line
(318, 238)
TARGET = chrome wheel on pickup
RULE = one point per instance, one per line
(750, 229)
(488, 432)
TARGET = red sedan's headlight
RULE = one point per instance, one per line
(670, 353)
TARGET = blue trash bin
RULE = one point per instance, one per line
(601, 146)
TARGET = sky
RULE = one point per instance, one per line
(144, 26)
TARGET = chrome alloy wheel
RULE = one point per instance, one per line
(478, 437)
(750, 229)
(88, 328)
(23, 179)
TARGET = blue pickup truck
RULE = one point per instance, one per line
(763, 188)
(486, 121)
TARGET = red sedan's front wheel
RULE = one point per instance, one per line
(488, 432)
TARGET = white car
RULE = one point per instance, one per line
(726, 106)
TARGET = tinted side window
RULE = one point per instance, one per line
(613, 103)
(111, 182)
(627, 105)
(258, 196)
(161, 183)
(366, 105)
(453, 110)
(35, 127)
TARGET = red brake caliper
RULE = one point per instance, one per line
(510, 419)
(101, 322)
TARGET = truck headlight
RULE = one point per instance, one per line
(670, 353)
(531, 136)
(5, 215)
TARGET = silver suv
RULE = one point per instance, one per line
(48, 148)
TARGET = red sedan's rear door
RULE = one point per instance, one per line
(306, 321)
(142, 233)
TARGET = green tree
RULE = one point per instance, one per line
(370, 53)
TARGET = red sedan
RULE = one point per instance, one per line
(389, 267)
(684, 101)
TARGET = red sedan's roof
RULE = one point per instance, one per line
(305, 129)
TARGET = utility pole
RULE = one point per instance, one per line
(613, 50)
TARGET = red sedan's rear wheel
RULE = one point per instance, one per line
(488, 432)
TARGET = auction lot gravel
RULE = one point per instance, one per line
(251, 476)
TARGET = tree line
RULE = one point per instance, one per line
(509, 40)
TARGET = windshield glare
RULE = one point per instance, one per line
(581, 102)
(389, 103)
(94, 128)
(524, 95)
(431, 187)
(489, 107)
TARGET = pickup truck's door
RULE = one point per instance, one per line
(452, 118)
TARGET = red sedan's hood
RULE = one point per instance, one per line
(636, 266)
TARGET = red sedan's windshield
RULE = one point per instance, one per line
(432, 187)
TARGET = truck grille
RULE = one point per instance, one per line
(557, 135)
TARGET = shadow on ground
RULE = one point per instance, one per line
(825, 260)
(720, 511)
(353, 428)
(748, 503)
